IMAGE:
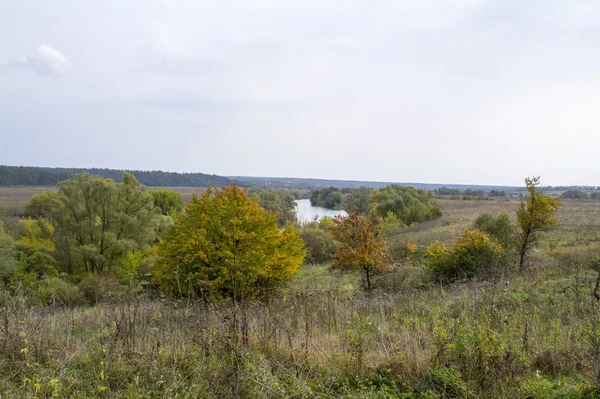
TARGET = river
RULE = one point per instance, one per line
(306, 213)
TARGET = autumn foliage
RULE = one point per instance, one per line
(362, 246)
(225, 244)
(475, 254)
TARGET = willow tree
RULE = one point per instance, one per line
(96, 222)
(535, 214)
(362, 246)
(226, 245)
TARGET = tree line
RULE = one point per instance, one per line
(39, 176)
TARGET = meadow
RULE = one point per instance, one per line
(530, 335)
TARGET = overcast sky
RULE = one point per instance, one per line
(471, 91)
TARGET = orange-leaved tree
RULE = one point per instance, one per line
(362, 246)
(226, 245)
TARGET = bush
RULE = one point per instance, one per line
(320, 245)
(448, 382)
(498, 227)
(104, 288)
(474, 254)
(540, 387)
(55, 291)
(402, 251)
(575, 194)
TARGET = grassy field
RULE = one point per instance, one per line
(535, 335)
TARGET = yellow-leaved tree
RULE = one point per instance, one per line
(225, 245)
(362, 246)
(535, 214)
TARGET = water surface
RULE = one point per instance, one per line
(306, 213)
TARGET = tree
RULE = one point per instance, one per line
(168, 201)
(97, 221)
(280, 201)
(226, 245)
(40, 205)
(362, 246)
(535, 214)
(575, 194)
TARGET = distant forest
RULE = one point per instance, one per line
(38, 176)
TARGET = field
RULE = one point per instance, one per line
(535, 335)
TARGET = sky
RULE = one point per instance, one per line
(469, 91)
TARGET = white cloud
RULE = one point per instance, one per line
(43, 60)
(47, 61)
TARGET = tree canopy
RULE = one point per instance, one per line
(226, 244)
(96, 221)
(362, 246)
(535, 214)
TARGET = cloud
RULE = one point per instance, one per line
(43, 60)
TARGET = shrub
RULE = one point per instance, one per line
(575, 194)
(474, 254)
(319, 243)
(402, 252)
(540, 387)
(104, 288)
(498, 227)
(55, 291)
(448, 382)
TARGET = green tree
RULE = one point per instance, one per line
(225, 244)
(319, 243)
(40, 205)
(281, 202)
(168, 201)
(535, 214)
(97, 221)
(575, 194)
(362, 246)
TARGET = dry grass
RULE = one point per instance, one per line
(534, 335)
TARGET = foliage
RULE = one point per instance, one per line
(278, 201)
(40, 205)
(474, 254)
(473, 193)
(226, 244)
(362, 246)
(9, 261)
(38, 176)
(57, 292)
(402, 251)
(95, 288)
(320, 245)
(410, 205)
(574, 194)
(536, 213)
(448, 191)
(497, 193)
(499, 227)
(98, 221)
(168, 201)
(326, 198)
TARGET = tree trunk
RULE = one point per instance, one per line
(523, 251)
(368, 279)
